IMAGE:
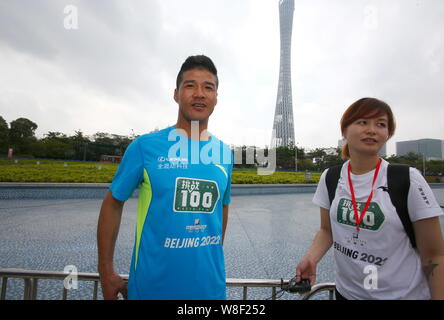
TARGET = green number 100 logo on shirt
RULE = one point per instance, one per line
(195, 195)
(373, 218)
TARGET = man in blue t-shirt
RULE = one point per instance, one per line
(184, 178)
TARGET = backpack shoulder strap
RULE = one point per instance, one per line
(398, 184)
(331, 180)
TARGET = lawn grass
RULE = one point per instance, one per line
(278, 177)
(56, 171)
(22, 170)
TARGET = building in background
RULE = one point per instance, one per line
(283, 125)
(430, 149)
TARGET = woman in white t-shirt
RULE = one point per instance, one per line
(373, 255)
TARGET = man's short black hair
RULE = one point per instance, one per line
(197, 62)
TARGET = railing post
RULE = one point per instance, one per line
(30, 290)
(4, 285)
(34, 284)
(96, 285)
(27, 289)
(245, 293)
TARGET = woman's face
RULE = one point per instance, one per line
(367, 136)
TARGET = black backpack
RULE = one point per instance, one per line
(398, 185)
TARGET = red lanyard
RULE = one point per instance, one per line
(352, 190)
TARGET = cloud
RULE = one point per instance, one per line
(341, 56)
(117, 71)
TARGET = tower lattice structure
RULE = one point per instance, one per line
(283, 125)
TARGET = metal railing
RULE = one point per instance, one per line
(31, 280)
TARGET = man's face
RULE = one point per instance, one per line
(196, 95)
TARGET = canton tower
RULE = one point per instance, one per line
(283, 127)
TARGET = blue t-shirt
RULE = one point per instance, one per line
(183, 185)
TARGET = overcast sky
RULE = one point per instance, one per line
(116, 71)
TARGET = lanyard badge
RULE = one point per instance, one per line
(360, 217)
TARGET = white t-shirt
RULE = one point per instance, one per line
(380, 263)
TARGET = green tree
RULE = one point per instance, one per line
(22, 135)
(55, 145)
(394, 159)
(4, 135)
(305, 165)
(436, 167)
(286, 158)
(107, 144)
(317, 157)
(80, 146)
(412, 157)
(321, 160)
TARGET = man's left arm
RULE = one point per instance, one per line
(430, 245)
(224, 220)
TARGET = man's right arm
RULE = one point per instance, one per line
(107, 231)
